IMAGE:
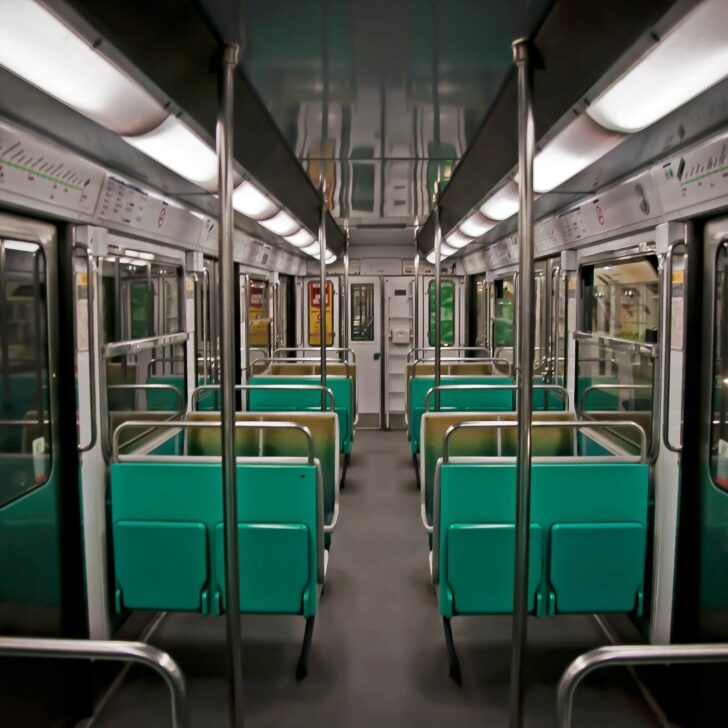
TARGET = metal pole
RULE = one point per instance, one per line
(525, 380)
(438, 241)
(227, 383)
(322, 297)
(627, 655)
(345, 298)
(111, 650)
(416, 304)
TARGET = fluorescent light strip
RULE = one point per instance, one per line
(312, 249)
(40, 48)
(503, 204)
(457, 240)
(281, 224)
(476, 225)
(250, 201)
(177, 147)
(690, 58)
(21, 247)
(300, 239)
(573, 149)
(446, 250)
(138, 254)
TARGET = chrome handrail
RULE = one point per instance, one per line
(587, 425)
(463, 360)
(163, 360)
(296, 360)
(627, 655)
(209, 424)
(580, 406)
(132, 346)
(424, 349)
(335, 349)
(194, 395)
(111, 650)
(504, 387)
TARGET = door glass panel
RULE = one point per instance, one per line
(362, 312)
(258, 314)
(314, 313)
(480, 293)
(719, 427)
(25, 431)
(447, 313)
(503, 310)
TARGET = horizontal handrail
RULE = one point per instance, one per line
(22, 423)
(628, 655)
(490, 387)
(458, 360)
(132, 346)
(581, 406)
(111, 650)
(424, 349)
(165, 360)
(194, 395)
(152, 388)
(586, 425)
(334, 349)
(210, 424)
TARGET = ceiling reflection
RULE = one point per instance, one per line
(382, 97)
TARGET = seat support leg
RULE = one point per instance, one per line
(417, 471)
(302, 667)
(345, 468)
(452, 655)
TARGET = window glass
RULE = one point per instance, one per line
(25, 431)
(258, 314)
(362, 312)
(480, 323)
(207, 340)
(447, 313)
(620, 302)
(558, 309)
(314, 313)
(503, 309)
(719, 428)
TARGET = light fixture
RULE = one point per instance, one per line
(456, 239)
(250, 201)
(281, 224)
(476, 225)
(503, 203)
(446, 250)
(177, 147)
(138, 254)
(300, 239)
(573, 149)
(38, 47)
(690, 58)
(21, 247)
(312, 249)
(330, 258)
(431, 257)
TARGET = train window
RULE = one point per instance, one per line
(480, 293)
(362, 312)
(314, 313)
(615, 365)
(207, 339)
(503, 309)
(25, 431)
(447, 313)
(719, 428)
(258, 313)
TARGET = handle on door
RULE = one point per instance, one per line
(377, 355)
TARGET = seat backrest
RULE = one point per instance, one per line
(588, 536)
(168, 535)
(165, 400)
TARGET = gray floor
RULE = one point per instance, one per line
(378, 656)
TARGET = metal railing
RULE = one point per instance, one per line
(110, 650)
(197, 391)
(627, 656)
(545, 388)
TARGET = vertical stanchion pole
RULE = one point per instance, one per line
(245, 335)
(525, 381)
(438, 304)
(416, 303)
(227, 382)
(345, 298)
(322, 297)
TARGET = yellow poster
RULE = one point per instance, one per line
(314, 314)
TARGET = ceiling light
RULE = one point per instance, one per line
(250, 201)
(573, 149)
(37, 46)
(457, 240)
(177, 147)
(446, 250)
(21, 246)
(431, 257)
(330, 258)
(281, 224)
(503, 203)
(689, 59)
(137, 254)
(300, 239)
(312, 249)
(476, 225)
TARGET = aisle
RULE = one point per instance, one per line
(378, 655)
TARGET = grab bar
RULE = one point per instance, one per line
(580, 407)
(503, 387)
(194, 396)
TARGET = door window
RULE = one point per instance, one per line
(719, 428)
(447, 313)
(314, 313)
(362, 312)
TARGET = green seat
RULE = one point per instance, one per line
(588, 522)
(167, 522)
(282, 400)
(164, 400)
